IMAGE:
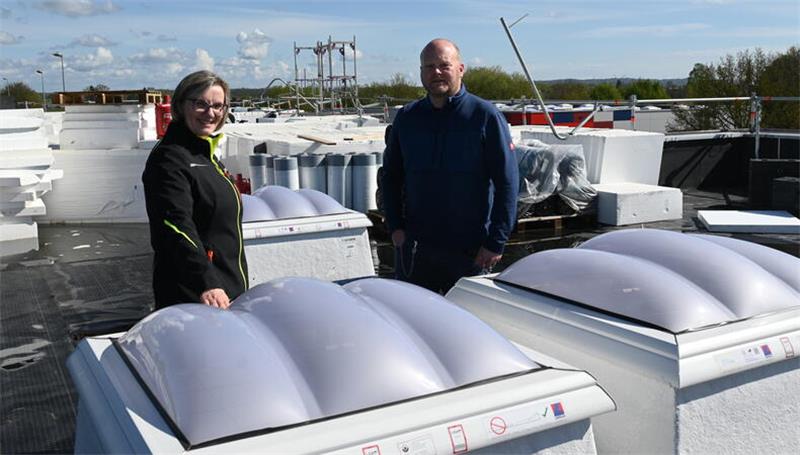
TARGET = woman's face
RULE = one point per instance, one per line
(204, 112)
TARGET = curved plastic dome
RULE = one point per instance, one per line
(782, 265)
(674, 281)
(299, 349)
(618, 284)
(285, 203)
(255, 209)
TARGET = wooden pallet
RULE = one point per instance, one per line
(550, 222)
(555, 222)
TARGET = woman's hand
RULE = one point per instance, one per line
(215, 297)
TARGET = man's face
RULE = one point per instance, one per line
(441, 71)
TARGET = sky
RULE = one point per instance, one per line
(131, 44)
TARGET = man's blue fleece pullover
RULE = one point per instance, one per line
(451, 179)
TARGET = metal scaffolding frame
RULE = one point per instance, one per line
(331, 87)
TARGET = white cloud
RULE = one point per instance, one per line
(5, 13)
(76, 8)
(253, 46)
(8, 38)
(92, 40)
(204, 60)
(475, 61)
(174, 68)
(102, 57)
(348, 51)
(157, 55)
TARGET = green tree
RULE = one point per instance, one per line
(492, 83)
(781, 77)
(20, 92)
(569, 90)
(97, 88)
(398, 89)
(644, 89)
(733, 76)
(605, 91)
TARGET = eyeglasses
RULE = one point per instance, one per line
(202, 105)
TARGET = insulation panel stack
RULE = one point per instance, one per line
(26, 174)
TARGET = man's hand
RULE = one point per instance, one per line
(398, 237)
(487, 259)
(215, 297)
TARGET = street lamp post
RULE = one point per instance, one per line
(44, 103)
(63, 81)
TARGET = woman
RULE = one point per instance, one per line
(195, 211)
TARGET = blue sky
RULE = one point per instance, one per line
(128, 44)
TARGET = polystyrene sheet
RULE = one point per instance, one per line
(298, 349)
(286, 203)
(671, 280)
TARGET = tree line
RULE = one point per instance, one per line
(739, 75)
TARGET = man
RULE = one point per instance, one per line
(450, 182)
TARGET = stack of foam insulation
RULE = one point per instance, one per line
(282, 139)
(25, 176)
(623, 166)
(103, 152)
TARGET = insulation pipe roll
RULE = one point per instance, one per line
(313, 172)
(270, 170)
(338, 177)
(365, 182)
(258, 171)
(286, 173)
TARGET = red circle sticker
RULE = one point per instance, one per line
(497, 425)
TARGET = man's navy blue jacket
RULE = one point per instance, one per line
(450, 178)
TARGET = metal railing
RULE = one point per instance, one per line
(756, 102)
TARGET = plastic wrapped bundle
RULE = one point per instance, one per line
(546, 170)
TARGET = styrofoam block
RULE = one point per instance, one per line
(26, 159)
(764, 221)
(755, 407)
(23, 177)
(40, 187)
(73, 117)
(21, 196)
(18, 209)
(612, 156)
(4, 113)
(11, 124)
(10, 179)
(620, 204)
(18, 237)
(101, 124)
(98, 186)
(29, 140)
(325, 255)
(106, 108)
(86, 139)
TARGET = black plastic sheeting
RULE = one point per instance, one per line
(47, 304)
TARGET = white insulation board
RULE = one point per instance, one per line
(756, 221)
